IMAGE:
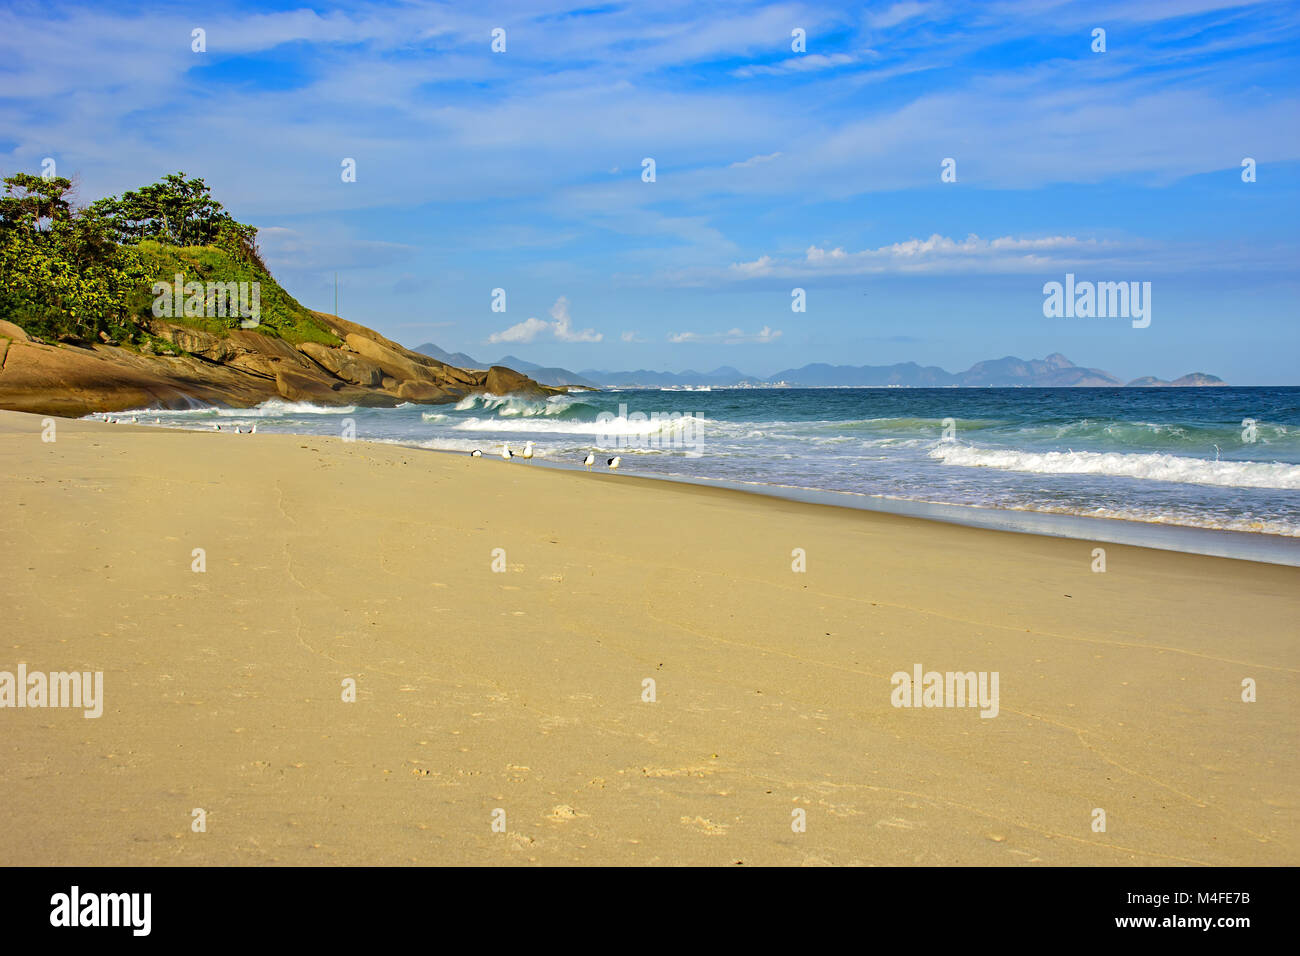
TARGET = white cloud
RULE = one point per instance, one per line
(731, 337)
(805, 63)
(941, 254)
(755, 160)
(895, 15)
(561, 328)
(525, 331)
(564, 325)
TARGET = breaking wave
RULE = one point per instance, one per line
(1151, 467)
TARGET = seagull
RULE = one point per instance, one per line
(614, 463)
(528, 451)
(253, 430)
(476, 454)
(589, 460)
(157, 421)
(238, 430)
(506, 453)
(134, 420)
(216, 427)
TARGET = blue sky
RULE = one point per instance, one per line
(775, 169)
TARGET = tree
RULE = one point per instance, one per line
(30, 201)
(61, 274)
(176, 211)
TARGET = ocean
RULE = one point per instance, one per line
(1215, 459)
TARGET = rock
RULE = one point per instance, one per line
(346, 365)
(10, 331)
(506, 381)
(425, 393)
(392, 362)
(194, 341)
(239, 369)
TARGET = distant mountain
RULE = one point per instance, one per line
(459, 359)
(863, 376)
(539, 373)
(1054, 371)
(551, 376)
(1194, 380)
(719, 376)
(516, 363)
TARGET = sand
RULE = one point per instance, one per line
(516, 696)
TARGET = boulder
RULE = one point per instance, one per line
(346, 365)
(10, 331)
(392, 362)
(423, 392)
(506, 381)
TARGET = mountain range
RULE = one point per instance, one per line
(1054, 371)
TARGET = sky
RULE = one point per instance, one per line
(920, 170)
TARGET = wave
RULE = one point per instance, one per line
(271, 408)
(662, 427)
(1150, 467)
(1157, 435)
(908, 425)
(517, 406)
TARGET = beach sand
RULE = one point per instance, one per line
(521, 690)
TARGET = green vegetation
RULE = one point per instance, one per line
(86, 275)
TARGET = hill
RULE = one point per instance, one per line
(1193, 380)
(160, 299)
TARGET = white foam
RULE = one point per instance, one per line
(514, 405)
(271, 408)
(605, 429)
(1151, 467)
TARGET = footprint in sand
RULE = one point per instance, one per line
(898, 823)
(563, 813)
(708, 826)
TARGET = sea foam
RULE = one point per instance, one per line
(1151, 467)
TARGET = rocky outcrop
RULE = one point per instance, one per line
(504, 381)
(346, 365)
(239, 369)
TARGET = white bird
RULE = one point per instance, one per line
(238, 430)
(134, 420)
(506, 453)
(253, 430)
(216, 427)
(589, 460)
(476, 454)
(528, 451)
(614, 463)
(157, 421)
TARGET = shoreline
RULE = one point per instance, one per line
(522, 687)
(1260, 547)
(1209, 542)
